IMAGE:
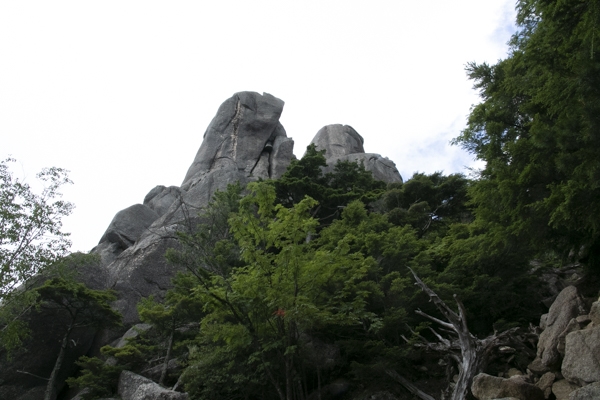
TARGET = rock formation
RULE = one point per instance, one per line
(567, 365)
(343, 143)
(244, 142)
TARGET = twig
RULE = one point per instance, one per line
(34, 375)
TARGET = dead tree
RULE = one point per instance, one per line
(470, 354)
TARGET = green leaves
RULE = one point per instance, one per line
(30, 226)
(537, 130)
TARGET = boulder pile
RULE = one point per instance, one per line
(567, 366)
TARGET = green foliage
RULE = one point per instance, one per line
(281, 286)
(99, 378)
(30, 226)
(429, 203)
(86, 307)
(537, 130)
(349, 181)
(14, 329)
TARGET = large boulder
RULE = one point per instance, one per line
(567, 306)
(487, 387)
(562, 389)
(161, 198)
(128, 225)
(244, 142)
(588, 392)
(343, 143)
(136, 387)
(581, 364)
(338, 140)
(245, 126)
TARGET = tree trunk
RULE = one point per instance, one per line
(50, 393)
(474, 353)
(163, 374)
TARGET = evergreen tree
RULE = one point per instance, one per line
(538, 130)
(84, 307)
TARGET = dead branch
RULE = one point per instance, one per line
(409, 386)
(470, 353)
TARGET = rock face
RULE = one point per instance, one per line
(487, 387)
(567, 306)
(581, 364)
(587, 392)
(136, 387)
(343, 143)
(245, 141)
(128, 225)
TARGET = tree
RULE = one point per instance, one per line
(31, 241)
(537, 128)
(349, 181)
(181, 308)
(257, 310)
(469, 353)
(30, 226)
(84, 307)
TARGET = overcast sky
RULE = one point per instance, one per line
(121, 92)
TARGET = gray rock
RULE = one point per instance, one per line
(136, 387)
(343, 143)
(131, 333)
(581, 364)
(245, 141)
(382, 168)
(245, 125)
(108, 252)
(545, 383)
(544, 321)
(338, 140)
(568, 305)
(563, 388)
(487, 387)
(572, 326)
(591, 391)
(141, 271)
(154, 373)
(161, 198)
(33, 394)
(128, 225)
(595, 313)
(281, 156)
(537, 367)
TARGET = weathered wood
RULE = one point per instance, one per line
(470, 353)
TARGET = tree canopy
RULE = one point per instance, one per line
(538, 131)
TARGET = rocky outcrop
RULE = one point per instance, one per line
(343, 143)
(487, 387)
(587, 392)
(136, 387)
(562, 389)
(581, 364)
(161, 198)
(567, 306)
(244, 142)
(128, 225)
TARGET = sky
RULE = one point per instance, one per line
(120, 92)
